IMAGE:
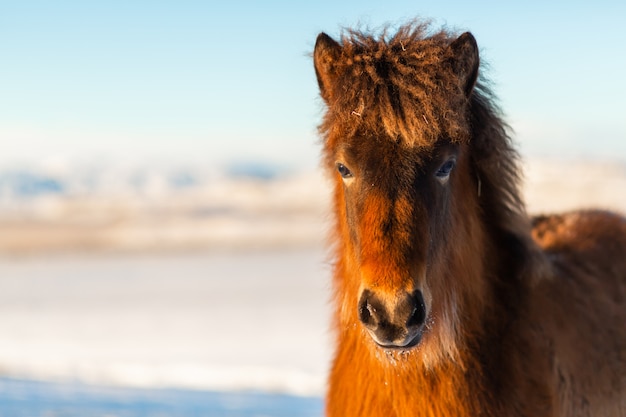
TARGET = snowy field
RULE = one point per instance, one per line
(231, 322)
(186, 294)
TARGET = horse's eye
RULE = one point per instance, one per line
(344, 171)
(444, 171)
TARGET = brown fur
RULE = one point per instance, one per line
(522, 320)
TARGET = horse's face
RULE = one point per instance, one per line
(399, 216)
(400, 208)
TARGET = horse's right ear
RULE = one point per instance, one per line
(465, 61)
(327, 52)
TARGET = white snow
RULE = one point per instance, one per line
(227, 321)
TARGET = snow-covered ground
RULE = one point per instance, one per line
(228, 321)
(199, 280)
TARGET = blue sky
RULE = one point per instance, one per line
(210, 82)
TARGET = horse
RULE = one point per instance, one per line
(448, 298)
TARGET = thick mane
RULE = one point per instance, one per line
(402, 83)
(496, 166)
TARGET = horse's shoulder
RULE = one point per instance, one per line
(581, 232)
(586, 255)
(579, 309)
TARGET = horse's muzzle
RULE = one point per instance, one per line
(396, 323)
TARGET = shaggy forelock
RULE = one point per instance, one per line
(401, 87)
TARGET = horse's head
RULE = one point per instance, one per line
(396, 139)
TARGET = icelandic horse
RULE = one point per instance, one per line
(449, 300)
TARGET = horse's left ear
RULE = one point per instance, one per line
(327, 52)
(465, 61)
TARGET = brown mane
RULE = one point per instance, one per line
(387, 82)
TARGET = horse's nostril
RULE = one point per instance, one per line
(418, 313)
(367, 312)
